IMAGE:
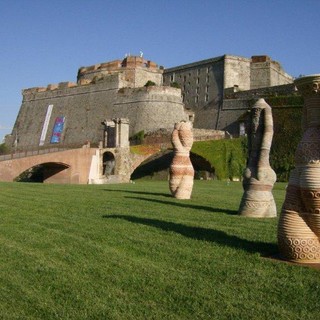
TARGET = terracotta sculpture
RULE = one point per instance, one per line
(259, 178)
(181, 169)
(299, 224)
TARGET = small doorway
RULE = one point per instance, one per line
(108, 162)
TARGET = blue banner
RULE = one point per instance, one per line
(57, 130)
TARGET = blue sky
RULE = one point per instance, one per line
(46, 42)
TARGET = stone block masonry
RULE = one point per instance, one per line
(104, 91)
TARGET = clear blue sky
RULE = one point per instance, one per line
(44, 42)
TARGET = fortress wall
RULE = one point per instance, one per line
(237, 72)
(201, 84)
(266, 73)
(138, 77)
(84, 107)
(231, 111)
(150, 108)
(278, 76)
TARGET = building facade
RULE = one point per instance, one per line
(204, 84)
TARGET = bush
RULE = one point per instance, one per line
(4, 149)
(175, 85)
(150, 83)
(137, 138)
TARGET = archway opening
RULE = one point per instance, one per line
(157, 167)
(108, 163)
(42, 172)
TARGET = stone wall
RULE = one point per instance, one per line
(227, 77)
(211, 89)
(267, 73)
(202, 88)
(84, 106)
(150, 108)
(237, 72)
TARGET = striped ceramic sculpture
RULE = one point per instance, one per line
(299, 223)
(181, 169)
(259, 178)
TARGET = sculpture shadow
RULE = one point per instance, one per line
(167, 195)
(198, 233)
(187, 205)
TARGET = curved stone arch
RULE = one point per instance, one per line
(161, 161)
(202, 167)
(44, 171)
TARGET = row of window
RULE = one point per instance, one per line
(172, 76)
(196, 98)
(172, 79)
(184, 89)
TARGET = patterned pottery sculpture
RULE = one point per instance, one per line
(299, 224)
(259, 178)
(181, 169)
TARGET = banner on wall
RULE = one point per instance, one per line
(57, 130)
(45, 125)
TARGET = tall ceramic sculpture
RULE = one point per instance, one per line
(181, 169)
(299, 223)
(259, 178)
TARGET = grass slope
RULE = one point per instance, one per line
(227, 156)
(133, 252)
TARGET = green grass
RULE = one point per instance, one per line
(133, 252)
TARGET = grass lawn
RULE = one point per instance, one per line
(131, 251)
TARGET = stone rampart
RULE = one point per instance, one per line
(147, 105)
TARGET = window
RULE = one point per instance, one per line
(198, 80)
(196, 100)
(206, 98)
(208, 69)
(207, 89)
(184, 78)
(197, 90)
(198, 71)
(172, 77)
(208, 78)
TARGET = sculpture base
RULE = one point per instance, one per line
(250, 207)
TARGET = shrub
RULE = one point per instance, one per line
(150, 83)
(175, 85)
(137, 138)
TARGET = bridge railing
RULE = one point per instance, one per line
(35, 151)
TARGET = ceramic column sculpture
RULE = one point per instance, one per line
(181, 169)
(259, 178)
(299, 223)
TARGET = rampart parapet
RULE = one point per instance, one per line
(131, 63)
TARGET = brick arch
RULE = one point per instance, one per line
(78, 162)
(44, 172)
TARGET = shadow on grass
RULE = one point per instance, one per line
(203, 234)
(167, 195)
(183, 204)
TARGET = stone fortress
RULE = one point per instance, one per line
(103, 91)
(113, 101)
(217, 90)
(72, 114)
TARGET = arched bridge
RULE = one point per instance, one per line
(67, 166)
(85, 165)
